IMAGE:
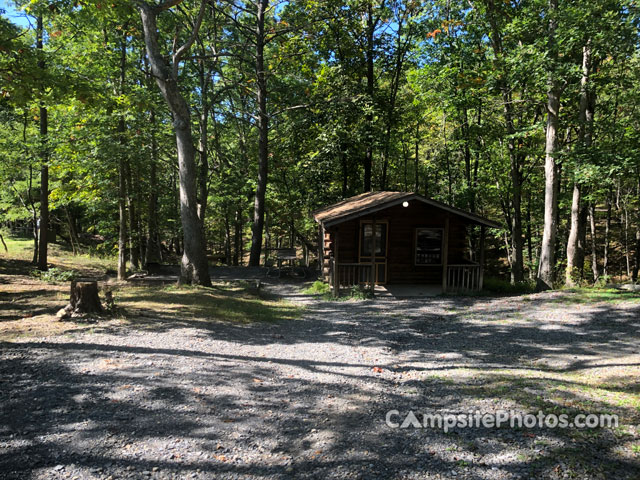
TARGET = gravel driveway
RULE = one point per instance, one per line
(308, 398)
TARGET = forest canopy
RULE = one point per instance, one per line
(189, 128)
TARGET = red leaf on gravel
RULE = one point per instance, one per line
(377, 369)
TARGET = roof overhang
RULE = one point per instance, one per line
(398, 200)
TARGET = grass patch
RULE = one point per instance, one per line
(201, 306)
(597, 295)
(21, 253)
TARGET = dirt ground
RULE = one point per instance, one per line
(221, 383)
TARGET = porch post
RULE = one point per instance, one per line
(320, 250)
(373, 257)
(445, 253)
(481, 257)
(336, 269)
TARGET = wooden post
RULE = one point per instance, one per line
(334, 276)
(320, 250)
(336, 262)
(481, 257)
(373, 257)
(445, 253)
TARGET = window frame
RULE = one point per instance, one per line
(415, 247)
(386, 242)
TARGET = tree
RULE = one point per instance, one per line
(194, 266)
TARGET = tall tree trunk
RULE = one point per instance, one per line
(575, 247)
(594, 245)
(624, 221)
(369, 52)
(153, 253)
(122, 169)
(517, 245)
(547, 250)
(203, 144)
(416, 165)
(636, 264)
(237, 237)
(194, 268)
(134, 248)
(530, 259)
(34, 213)
(44, 163)
(607, 229)
(122, 208)
(263, 137)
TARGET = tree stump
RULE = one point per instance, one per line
(84, 297)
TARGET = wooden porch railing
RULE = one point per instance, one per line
(464, 278)
(345, 275)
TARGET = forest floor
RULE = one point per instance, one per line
(220, 383)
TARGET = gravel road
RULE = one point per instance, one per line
(308, 398)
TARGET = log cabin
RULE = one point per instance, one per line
(417, 240)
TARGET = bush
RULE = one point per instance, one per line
(318, 288)
(504, 287)
(360, 293)
(55, 275)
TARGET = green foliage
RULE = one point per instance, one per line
(55, 275)
(504, 287)
(435, 122)
(318, 288)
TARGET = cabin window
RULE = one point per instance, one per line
(428, 246)
(365, 239)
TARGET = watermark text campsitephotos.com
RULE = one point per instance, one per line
(498, 419)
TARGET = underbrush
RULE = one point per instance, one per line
(322, 289)
(55, 275)
(504, 287)
(318, 288)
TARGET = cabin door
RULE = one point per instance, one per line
(381, 243)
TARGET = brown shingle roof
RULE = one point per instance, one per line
(368, 202)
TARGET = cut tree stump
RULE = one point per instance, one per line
(84, 299)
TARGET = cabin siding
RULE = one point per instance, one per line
(401, 234)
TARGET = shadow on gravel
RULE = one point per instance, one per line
(95, 410)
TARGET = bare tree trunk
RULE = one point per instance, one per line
(607, 229)
(636, 265)
(134, 250)
(624, 220)
(416, 159)
(517, 244)
(263, 137)
(194, 267)
(237, 237)
(44, 166)
(122, 209)
(547, 251)
(153, 253)
(594, 244)
(122, 172)
(368, 160)
(575, 247)
(33, 211)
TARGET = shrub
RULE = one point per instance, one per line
(504, 287)
(318, 288)
(55, 275)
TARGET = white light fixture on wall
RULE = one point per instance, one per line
(405, 204)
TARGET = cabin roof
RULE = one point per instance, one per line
(370, 202)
